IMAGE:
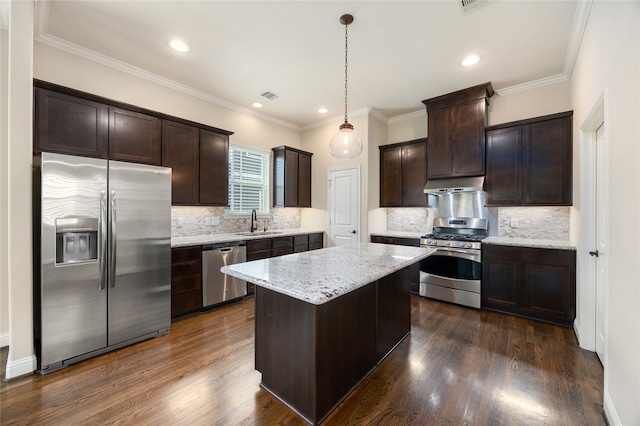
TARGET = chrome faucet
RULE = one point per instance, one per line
(254, 220)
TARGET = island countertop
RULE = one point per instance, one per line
(319, 276)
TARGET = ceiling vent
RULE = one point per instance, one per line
(471, 5)
(270, 95)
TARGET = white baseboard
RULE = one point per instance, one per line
(4, 340)
(20, 367)
(610, 411)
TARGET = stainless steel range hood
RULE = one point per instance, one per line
(448, 185)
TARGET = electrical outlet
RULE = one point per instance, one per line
(514, 222)
(180, 222)
(412, 220)
(215, 220)
(207, 221)
(274, 219)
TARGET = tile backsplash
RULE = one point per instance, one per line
(551, 223)
(211, 220)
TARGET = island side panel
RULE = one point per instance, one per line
(346, 351)
(285, 349)
(393, 320)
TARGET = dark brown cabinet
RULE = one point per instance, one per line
(532, 282)
(186, 280)
(456, 127)
(70, 125)
(291, 177)
(529, 162)
(414, 270)
(73, 122)
(199, 160)
(403, 174)
(265, 248)
(181, 152)
(214, 168)
(134, 136)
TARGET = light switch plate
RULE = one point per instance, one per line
(215, 220)
(514, 222)
(207, 221)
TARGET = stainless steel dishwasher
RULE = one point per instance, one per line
(216, 286)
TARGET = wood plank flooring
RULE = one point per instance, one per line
(458, 366)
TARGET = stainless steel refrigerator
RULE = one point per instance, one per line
(102, 256)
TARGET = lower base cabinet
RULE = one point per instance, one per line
(279, 246)
(415, 268)
(186, 280)
(533, 282)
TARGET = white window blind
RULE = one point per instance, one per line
(248, 181)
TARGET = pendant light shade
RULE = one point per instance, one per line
(345, 144)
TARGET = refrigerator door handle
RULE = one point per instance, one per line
(112, 239)
(103, 240)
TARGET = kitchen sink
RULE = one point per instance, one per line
(258, 233)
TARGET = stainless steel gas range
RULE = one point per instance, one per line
(453, 273)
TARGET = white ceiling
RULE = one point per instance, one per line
(400, 52)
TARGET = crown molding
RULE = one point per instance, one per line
(374, 112)
(408, 116)
(575, 40)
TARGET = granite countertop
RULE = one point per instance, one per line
(529, 242)
(399, 234)
(319, 276)
(200, 240)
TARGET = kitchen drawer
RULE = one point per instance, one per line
(315, 238)
(315, 246)
(281, 251)
(258, 245)
(185, 303)
(301, 248)
(299, 240)
(183, 254)
(255, 255)
(281, 242)
(186, 283)
(188, 267)
(383, 240)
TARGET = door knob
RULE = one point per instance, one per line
(594, 253)
(353, 232)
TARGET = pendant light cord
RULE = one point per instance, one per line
(346, 63)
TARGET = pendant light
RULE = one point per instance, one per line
(345, 144)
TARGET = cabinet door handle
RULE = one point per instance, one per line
(594, 253)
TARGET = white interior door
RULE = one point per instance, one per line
(344, 205)
(601, 249)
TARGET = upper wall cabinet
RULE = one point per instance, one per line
(74, 125)
(403, 174)
(529, 162)
(199, 162)
(73, 122)
(291, 177)
(70, 125)
(456, 130)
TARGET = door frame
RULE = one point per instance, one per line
(585, 323)
(329, 199)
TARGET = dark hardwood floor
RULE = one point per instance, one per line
(458, 366)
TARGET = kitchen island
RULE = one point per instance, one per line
(324, 319)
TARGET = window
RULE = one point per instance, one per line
(248, 181)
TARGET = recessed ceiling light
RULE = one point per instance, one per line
(256, 105)
(323, 110)
(470, 60)
(179, 46)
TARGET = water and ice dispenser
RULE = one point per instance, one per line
(76, 240)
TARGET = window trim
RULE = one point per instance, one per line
(269, 177)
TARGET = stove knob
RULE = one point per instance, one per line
(448, 243)
(467, 245)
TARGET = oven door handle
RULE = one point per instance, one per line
(473, 255)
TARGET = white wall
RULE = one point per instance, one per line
(4, 187)
(609, 61)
